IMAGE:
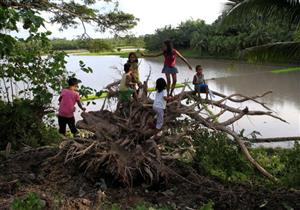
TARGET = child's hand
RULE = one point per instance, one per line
(170, 99)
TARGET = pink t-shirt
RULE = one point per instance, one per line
(68, 99)
(170, 60)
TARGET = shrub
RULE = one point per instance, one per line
(217, 155)
(31, 201)
(21, 123)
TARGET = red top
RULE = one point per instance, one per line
(68, 99)
(170, 60)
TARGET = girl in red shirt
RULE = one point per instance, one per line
(169, 68)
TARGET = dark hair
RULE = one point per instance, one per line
(198, 66)
(160, 84)
(169, 45)
(130, 54)
(126, 67)
(73, 81)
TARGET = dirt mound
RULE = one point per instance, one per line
(63, 186)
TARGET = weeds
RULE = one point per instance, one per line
(218, 156)
(31, 201)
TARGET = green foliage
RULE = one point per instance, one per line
(272, 47)
(208, 206)
(31, 201)
(219, 40)
(73, 13)
(21, 123)
(148, 206)
(31, 73)
(98, 45)
(218, 156)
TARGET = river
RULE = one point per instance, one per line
(230, 77)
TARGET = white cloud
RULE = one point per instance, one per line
(153, 14)
(158, 13)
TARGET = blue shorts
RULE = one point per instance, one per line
(169, 70)
(201, 88)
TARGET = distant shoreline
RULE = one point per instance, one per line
(186, 53)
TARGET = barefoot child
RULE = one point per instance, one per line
(199, 82)
(160, 102)
(169, 69)
(127, 84)
(134, 64)
(67, 100)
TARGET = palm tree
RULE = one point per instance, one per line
(287, 9)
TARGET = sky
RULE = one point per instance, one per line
(153, 14)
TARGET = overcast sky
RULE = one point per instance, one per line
(154, 14)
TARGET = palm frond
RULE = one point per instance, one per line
(237, 9)
(279, 51)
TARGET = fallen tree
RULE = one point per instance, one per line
(125, 148)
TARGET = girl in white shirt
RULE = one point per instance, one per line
(160, 102)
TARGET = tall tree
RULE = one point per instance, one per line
(281, 9)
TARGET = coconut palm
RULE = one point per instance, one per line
(287, 9)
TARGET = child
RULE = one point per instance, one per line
(127, 84)
(169, 69)
(134, 64)
(160, 102)
(67, 100)
(199, 82)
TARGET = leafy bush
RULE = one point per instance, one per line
(21, 123)
(31, 201)
(217, 155)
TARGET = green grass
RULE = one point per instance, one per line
(83, 52)
(121, 54)
(286, 70)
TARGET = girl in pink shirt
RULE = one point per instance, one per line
(170, 69)
(67, 100)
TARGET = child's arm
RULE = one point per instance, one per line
(184, 60)
(194, 80)
(203, 79)
(80, 106)
(152, 55)
(129, 81)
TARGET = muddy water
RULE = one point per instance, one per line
(229, 77)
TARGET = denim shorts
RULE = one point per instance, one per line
(201, 88)
(169, 70)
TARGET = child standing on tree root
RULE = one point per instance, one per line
(127, 84)
(134, 65)
(160, 102)
(67, 100)
(169, 69)
(199, 82)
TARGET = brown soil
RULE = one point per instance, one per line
(64, 187)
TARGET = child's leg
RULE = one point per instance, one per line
(62, 122)
(206, 91)
(159, 118)
(168, 82)
(71, 124)
(174, 81)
